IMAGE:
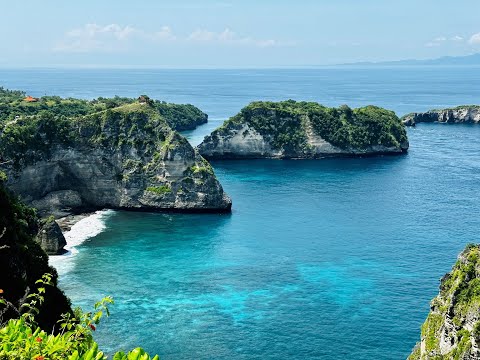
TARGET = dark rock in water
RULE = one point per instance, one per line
(301, 130)
(461, 114)
(50, 237)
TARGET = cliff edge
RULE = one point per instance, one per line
(452, 328)
(122, 158)
(468, 114)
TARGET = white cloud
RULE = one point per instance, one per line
(202, 35)
(93, 37)
(440, 40)
(165, 33)
(474, 39)
(228, 36)
(117, 38)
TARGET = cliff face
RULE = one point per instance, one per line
(23, 262)
(461, 114)
(292, 129)
(123, 158)
(452, 328)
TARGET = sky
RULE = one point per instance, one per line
(233, 33)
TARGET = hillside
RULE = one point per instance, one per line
(291, 129)
(123, 158)
(452, 328)
(14, 103)
(23, 262)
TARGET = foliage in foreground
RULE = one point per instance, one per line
(22, 261)
(23, 339)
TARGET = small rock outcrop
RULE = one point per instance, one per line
(305, 130)
(452, 328)
(50, 237)
(122, 158)
(460, 114)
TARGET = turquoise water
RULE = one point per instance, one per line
(331, 259)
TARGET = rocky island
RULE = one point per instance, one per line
(452, 328)
(305, 130)
(126, 157)
(468, 114)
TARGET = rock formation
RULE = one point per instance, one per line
(292, 129)
(460, 114)
(452, 328)
(50, 237)
(122, 158)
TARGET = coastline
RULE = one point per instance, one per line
(67, 222)
(77, 229)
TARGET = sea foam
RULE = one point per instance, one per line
(81, 231)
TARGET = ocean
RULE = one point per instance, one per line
(322, 259)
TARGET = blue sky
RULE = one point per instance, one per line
(233, 33)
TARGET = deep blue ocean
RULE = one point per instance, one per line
(325, 259)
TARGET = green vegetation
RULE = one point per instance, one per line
(458, 301)
(203, 168)
(159, 190)
(22, 262)
(22, 339)
(361, 128)
(30, 139)
(460, 107)
(430, 329)
(287, 125)
(181, 117)
(12, 105)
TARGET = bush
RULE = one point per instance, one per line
(22, 338)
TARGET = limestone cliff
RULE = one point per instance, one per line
(460, 114)
(291, 129)
(452, 328)
(122, 158)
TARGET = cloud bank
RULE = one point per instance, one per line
(117, 38)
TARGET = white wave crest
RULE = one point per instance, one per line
(81, 231)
